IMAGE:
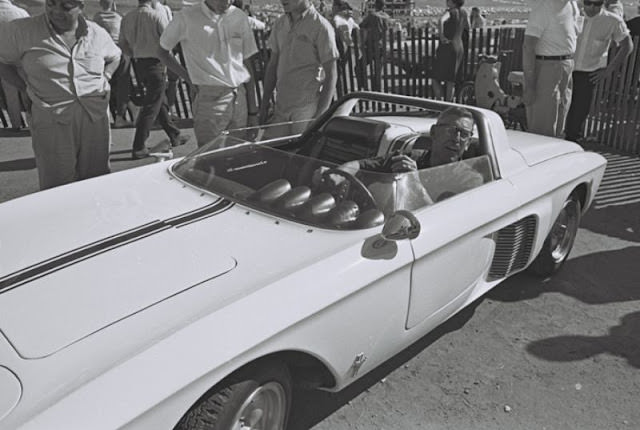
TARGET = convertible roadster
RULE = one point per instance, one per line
(199, 292)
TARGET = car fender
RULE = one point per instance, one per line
(545, 187)
(189, 368)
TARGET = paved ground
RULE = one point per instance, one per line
(562, 353)
(18, 175)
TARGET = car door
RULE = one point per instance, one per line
(455, 247)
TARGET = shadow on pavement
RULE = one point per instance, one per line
(312, 406)
(622, 341)
(621, 221)
(7, 132)
(16, 165)
(586, 281)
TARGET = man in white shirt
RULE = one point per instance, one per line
(12, 95)
(344, 22)
(547, 59)
(600, 28)
(302, 68)
(217, 44)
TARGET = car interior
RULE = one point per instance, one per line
(292, 181)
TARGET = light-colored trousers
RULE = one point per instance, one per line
(547, 114)
(298, 116)
(216, 109)
(69, 149)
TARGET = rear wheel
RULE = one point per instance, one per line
(259, 398)
(559, 242)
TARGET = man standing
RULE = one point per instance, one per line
(599, 29)
(110, 20)
(547, 59)
(67, 62)
(12, 96)
(139, 38)
(302, 68)
(374, 28)
(217, 44)
(344, 23)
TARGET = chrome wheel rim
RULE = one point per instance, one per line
(264, 409)
(564, 231)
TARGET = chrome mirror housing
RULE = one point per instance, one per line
(401, 225)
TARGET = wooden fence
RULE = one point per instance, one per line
(615, 109)
(404, 67)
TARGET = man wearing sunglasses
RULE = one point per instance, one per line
(67, 62)
(600, 28)
(450, 138)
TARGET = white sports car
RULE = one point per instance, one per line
(196, 293)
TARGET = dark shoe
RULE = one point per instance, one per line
(180, 140)
(140, 154)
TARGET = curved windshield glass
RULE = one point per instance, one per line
(311, 191)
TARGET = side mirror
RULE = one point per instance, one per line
(401, 225)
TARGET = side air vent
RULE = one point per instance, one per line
(513, 248)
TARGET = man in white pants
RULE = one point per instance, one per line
(217, 44)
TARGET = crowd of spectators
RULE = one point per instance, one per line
(565, 54)
(72, 109)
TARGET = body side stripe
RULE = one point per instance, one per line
(15, 279)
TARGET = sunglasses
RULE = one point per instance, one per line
(592, 3)
(454, 131)
(65, 5)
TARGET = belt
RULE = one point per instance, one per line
(554, 57)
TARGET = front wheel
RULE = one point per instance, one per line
(259, 398)
(559, 241)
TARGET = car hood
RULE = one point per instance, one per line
(75, 257)
(535, 148)
(83, 257)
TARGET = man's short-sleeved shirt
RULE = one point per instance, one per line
(110, 21)
(301, 49)
(56, 75)
(9, 12)
(555, 23)
(344, 28)
(141, 29)
(215, 46)
(593, 43)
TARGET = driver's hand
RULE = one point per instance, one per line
(403, 163)
(316, 178)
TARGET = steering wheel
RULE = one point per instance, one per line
(345, 186)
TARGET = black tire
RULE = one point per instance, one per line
(559, 241)
(259, 397)
(467, 94)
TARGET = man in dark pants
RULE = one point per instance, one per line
(373, 29)
(599, 29)
(140, 38)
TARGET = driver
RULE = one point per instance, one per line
(450, 136)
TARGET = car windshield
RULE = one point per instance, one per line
(307, 190)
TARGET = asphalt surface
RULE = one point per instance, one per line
(18, 175)
(559, 353)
